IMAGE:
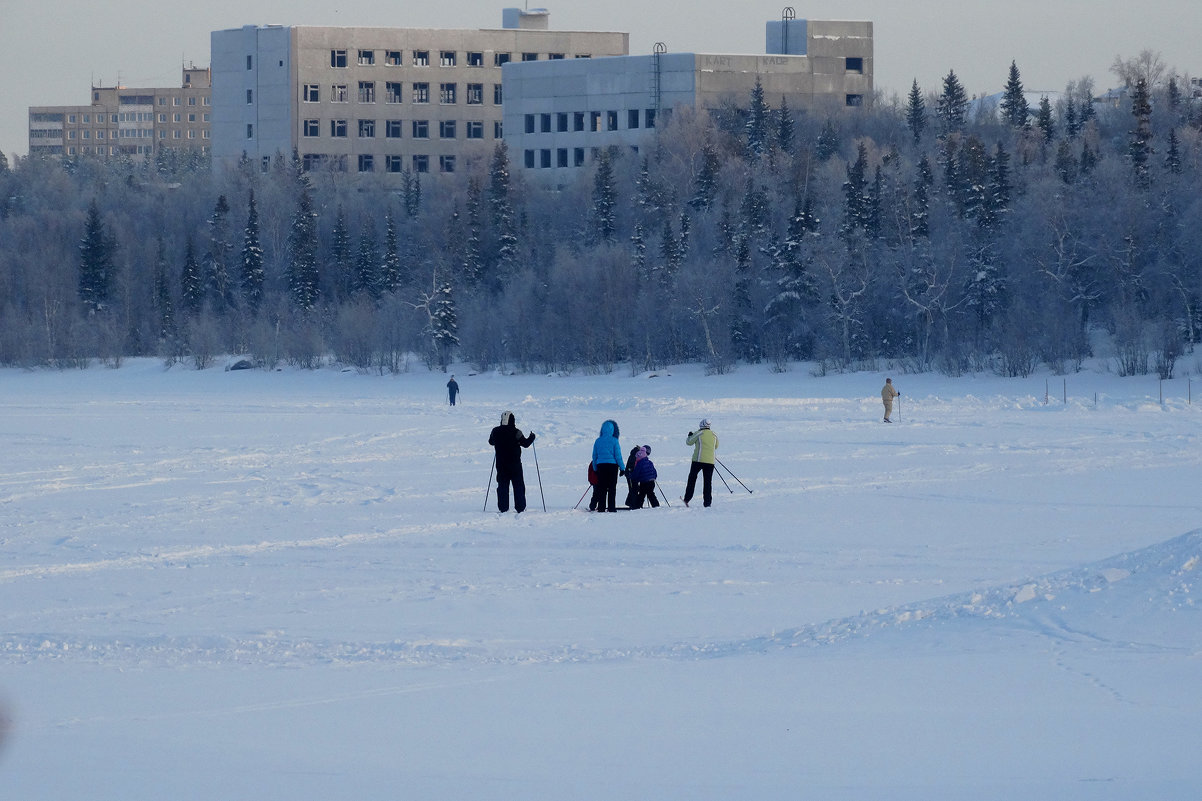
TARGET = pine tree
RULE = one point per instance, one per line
(952, 109)
(757, 123)
(828, 142)
(1015, 110)
(191, 281)
(997, 197)
(916, 113)
(1172, 159)
(920, 211)
(605, 198)
(340, 256)
(253, 274)
(442, 325)
(1066, 163)
(504, 249)
(855, 198)
(218, 285)
(367, 263)
(1045, 121)
(786, 133)
(638, 251)
(705, 188)
(96, 262)
(473, 263)
(1072, 125)
(391, 278)
(162, 295)
(1140, 148)
(302, 255)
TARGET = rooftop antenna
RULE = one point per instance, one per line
(787, 15)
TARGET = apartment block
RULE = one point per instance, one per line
(559, 115)
(129, 122)
(368, 100)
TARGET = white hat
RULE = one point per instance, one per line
(705, 423)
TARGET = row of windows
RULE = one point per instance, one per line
(146, 100)
(392, 129)
(125, 116)
(394, 92)
(542, 159)
(340, 58)
(590, 121)
(367, 162)
(124, 133)
(101, 150)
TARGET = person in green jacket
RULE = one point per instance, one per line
(705, 443)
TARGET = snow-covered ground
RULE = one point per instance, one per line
(250, 585)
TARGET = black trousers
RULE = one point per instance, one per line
(644, 490)
(707, 480)
(605, 491)
(504, 480)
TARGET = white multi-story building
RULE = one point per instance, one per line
(377, 100)
(559, 115)
(120, 121)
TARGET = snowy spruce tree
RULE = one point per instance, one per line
(367, 262)
(1139, 151)
(756, 128)
(916, 113)
(191, 282)
(1015, 110)
(302, 270)
(96, 262)
(253, 274)
(442, 325)
(218, 285)
(392, 276)
(605, 198)
(952, 108)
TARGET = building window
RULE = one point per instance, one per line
(561, 157)
(367, 162)
(632, 118)
(544, 158)
(561, 122)
(250, 63)
(367, 91)
(394, 163)
(474, 129)
(529, 123)
(311, 161)
(338, 129)
(578, 157)
(392, 58)
(498, 130)
(446, 129)
(421, 58)
(250, 131)
(421, 163)
(854, 64)
(584, 55)
(191, 101)
(475, 94)
(339, 94)
(555, 57)
(500, 59)
(393, 91)
(544, 123)
(855, 100)
(447, 93)
(577, 121)
(446, 163)
(611, 120)
(367, 58)
(367, 129)
(250, 97)
(421, 129)
(496, 94)
(649, 117)
(475, 59)
(446, 58)
(529, 56)
(338, 58)
(312, 128)
(421, 93)
(594, 121)
(528, 159)
(392, 129)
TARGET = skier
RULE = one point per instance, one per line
(508, 441)
(705, 443)
(607, 461)
(888, 393)
(643, 477)
(452, 389)
(630, 487)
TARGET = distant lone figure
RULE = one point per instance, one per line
(705, 443)
(452, 389)
(888, 393)
(508, 441)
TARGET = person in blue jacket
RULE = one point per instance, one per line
(607, 462)
(643, 476)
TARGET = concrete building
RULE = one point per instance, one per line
(121, 121)
(559, 115)
(377, 100)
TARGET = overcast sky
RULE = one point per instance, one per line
(52, 53)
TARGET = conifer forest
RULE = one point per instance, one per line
(927, 231)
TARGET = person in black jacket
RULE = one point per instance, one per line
(508, 441)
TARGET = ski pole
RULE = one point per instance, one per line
(488, 486)
(744, 486)
(719, 472)
(662, 495)
(586, 489)
(538, 473)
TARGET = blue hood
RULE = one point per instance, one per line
(609, 429)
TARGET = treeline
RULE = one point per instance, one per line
(929, 231)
